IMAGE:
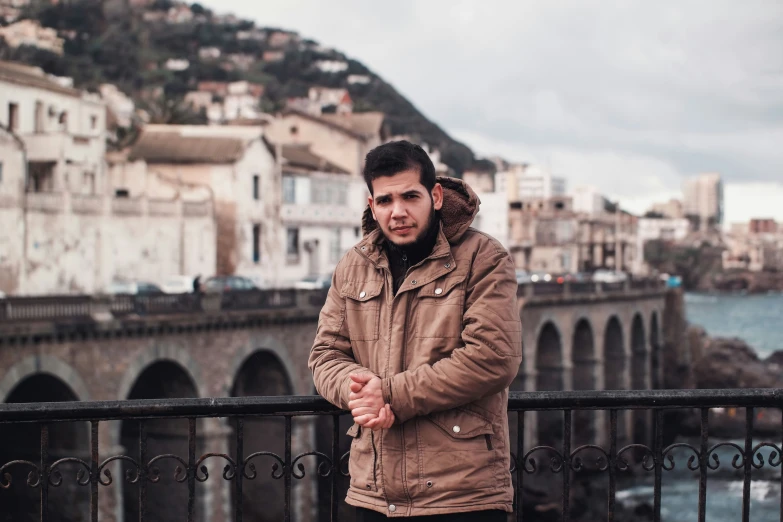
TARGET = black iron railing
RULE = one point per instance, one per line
(566, 458)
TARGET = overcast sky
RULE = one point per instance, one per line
(631, 97)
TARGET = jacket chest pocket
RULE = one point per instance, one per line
(439, 308)
(362, 308)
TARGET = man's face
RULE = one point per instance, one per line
(403, 207)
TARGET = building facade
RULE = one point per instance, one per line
(664, 229)
(703, 200)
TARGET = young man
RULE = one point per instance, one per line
(420, 338)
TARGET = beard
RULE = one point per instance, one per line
(425, 235)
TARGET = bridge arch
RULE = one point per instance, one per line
(615, 367)
(262, 373)
(549, 377)
(169, 351)
(639, 377)
(163, 378)
(272, 345)
(584, 359)
(656, 361)
(21, 441)
(44, 364)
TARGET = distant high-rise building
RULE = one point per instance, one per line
(703, 199)
(533, 182)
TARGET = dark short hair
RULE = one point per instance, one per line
(395, 157)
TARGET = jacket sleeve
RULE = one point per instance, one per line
(492, 352)
(331, 358)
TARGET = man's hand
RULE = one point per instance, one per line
(366, 402)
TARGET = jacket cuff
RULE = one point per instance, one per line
(386, 390)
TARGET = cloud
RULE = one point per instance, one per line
(633, 95)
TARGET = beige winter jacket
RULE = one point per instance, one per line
(446, 347)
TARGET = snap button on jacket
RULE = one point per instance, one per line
(446, 349)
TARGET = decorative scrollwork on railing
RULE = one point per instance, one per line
(601, 461)
(131, 475)
(324, 468)
(82, 476)
(33, 477)
(556, 461)
(713, 462)
(774, 455)
(648, 458)
(693, 460)
(279, 465)
(229, 471)
(180, 472)
(344, 462)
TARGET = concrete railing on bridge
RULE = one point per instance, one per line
(77, 308)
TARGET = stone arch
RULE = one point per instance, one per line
(549, 377)
(163, 378)
(169, 351)
(656, 360)
(261, 374)
(614, 355)
(44, 364)
(639, 377)
(21, 441)
(584, 360)
(274, 346)
(615, 368)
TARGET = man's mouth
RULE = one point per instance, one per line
(401, 230)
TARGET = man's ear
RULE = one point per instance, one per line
(437, 196)
(371, 202)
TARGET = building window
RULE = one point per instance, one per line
(39, 117)
(256, 188)
(13, 116)
(1, 171)
(292, 244)
(93, 122)
(357, 231)
(334, 246)
(294, 130)
(289, 189)
(256, 243)
(64, 120)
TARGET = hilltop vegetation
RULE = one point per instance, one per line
(128, 44)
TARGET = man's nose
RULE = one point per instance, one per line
(398, 210)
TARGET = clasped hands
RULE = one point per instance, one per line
(366, 402)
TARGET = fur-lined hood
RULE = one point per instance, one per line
(460, 206)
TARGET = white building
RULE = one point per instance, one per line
(64, 230)
(536, 182)
(121, 105)
(321, 213)
(331, 66)
(664, 229)
(703, 198)
(492, 217)
(63, 129)
(588, 200)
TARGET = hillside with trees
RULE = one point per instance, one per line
(129, 42)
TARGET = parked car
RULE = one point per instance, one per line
(522, 277)
(133, 288)
(177, 284)
(230, 283)
(314, 282)
(541, 277)
(609, 276)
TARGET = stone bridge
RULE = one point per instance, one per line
(579, 336)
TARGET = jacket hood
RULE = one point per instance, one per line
(460, 206)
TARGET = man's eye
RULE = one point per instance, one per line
(411, 196)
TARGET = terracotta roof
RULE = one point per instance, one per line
(32, 77)
(172, 147)
(364, 123)
(300, 156)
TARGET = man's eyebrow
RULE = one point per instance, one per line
(412, 192)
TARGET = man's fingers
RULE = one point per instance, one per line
(361, 378)
(364, 411)
(356, 387)
(362, 420)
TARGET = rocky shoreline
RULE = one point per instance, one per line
(742, 281)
